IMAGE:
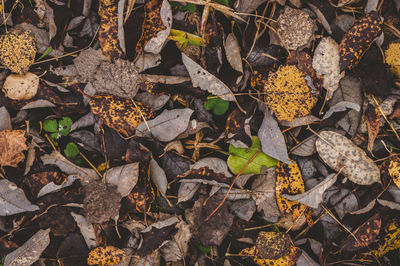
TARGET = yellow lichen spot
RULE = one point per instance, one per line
(288, 94)
(106, 256)
(390, 241)
(392, 54)
(394, 171)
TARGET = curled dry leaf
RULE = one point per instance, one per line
(167, 126)
(296, 28)
(107, 255)
(358, 39)
(21, 87)
(326, 63)
(288, 94)
(339, 153)
(30, 251)
(206, 81)
(12, 144)
(13, 200)
(17, 50)
(313, 197)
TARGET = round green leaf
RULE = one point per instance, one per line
(50, 125)
(65, 126)
(71, 150)
(221, 107)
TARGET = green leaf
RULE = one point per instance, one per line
(221, 107)
(45, 52)
(239, 157)
(64, 126)
(188, 7)
(210, 103)
(71, 150)
(50, 125)
(223, 2)
(202, 248)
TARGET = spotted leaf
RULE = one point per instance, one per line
(390, 240)
(394, 171)
(108, 255)
(289, 181)
(374, 124)
(358, 39)
(120, 114)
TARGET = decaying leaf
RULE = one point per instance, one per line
(17, 50)
(391, 239)
(30, 251)
(313, 197)
(12, 144)
(392, 58)
(374, 124)
(237, 130)
(108, 32)
(364, 235)
(326, 63)
(289, 181)
(167, 126)
(239, 157)
(21, 87)
(394, 171)
(13, 200)
(156, 26)
(120, 114)
(108, 255)
(358, 39)
(272, 140)
(288, 94)
(273, 248)
(206, 81)
(338, 152)
(296, 28)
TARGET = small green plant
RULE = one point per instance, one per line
(202, 248)
(217, 105)
(187, 7)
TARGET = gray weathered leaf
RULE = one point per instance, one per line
(247, 6)
(187, 190)
(167, 126)
(313, 197)
(124, 177)
(216, 164)
(154, 101)
(158, 177)
(340, 107)
(52, 187)
(5, 120)
(13, 200)
(232, 50)
(145, 61)
(87, 230)
(272, 140)
(340, 153)
(30, 251)
(244, 209)
(206, 81)
(85, 174)
(306, 147)
(155, 44)
(300, 121)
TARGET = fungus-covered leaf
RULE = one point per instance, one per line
(326, 63)
(289, 181)
(390, 240)
(358, 39)
(239, 157)
(12, 144)
(338, 152)
(288, 94)
(17, 50)
(296, 28)
(273, 248)
(13, 200)
(107, 255)
(392, 58)
(122, 115)
(206, 81)
(108, 31)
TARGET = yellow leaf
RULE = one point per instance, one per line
(391, 240)
(392, 55)
(289, 181)
(108, 255)
(394, 171)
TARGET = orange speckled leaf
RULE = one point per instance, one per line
(118, 113)
(374, 124)
(358, 39)
(108, 32)
(106, 256)
(289, 181)
(273, 248)
(288, 94)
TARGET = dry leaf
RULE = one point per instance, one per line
(374, 125)
(17, 50)
(313, 197)
(326, 63)
(206, 81)
(339, 152)
(12, 144)
(30, 251)
(13, 200)
(86, 229)
(21, 87)
(124, 177)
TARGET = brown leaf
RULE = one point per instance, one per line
(12, 144)
(374, 124)
(108, 255)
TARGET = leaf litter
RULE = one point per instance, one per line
(199, 132)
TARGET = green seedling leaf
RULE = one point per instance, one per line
(71, 150)
(202, 248)
(50, 125)
(239, 157)
(183, 38)
(217, 105)
(45, 54)
(64, 126)
(223, 2)
(188, 7)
